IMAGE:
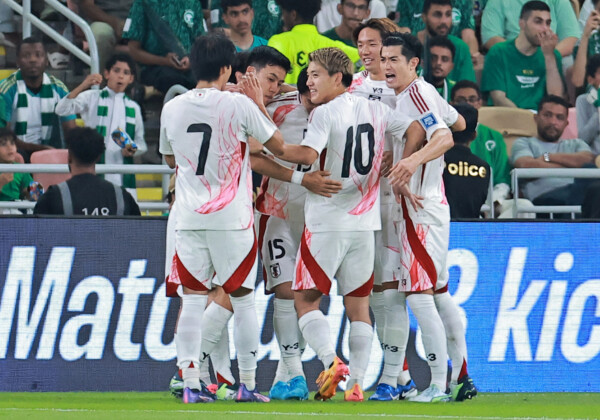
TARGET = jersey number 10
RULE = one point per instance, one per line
(358, 157)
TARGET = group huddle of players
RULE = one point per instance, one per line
(352, 190)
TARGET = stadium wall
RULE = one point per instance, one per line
(83, 307)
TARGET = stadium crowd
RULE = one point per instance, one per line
(318, 76)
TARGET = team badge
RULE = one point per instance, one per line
(490, 145)
(275, 270)
(428, 120)
(456, 16)
(188, 17)
(273, 8)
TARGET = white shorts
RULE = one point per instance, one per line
(423, 258)
(173, 285)
(199, 254)
(278, 242)
(347, 256)
(387, 248)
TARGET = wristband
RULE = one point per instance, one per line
(297, 177)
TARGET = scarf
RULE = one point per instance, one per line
(104, 120)
(49, 97)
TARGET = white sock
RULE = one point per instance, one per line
(315, 329)
(205, 373)
(287, 331)
(404, 378)
(360, 340)
(395, 337)
(245, 337)
(455, 333)
(189, 337)
(377, 304)
(221, 358)
(281, 374)
(214, 322)
(434, 336)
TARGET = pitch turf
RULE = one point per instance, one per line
(161, 405)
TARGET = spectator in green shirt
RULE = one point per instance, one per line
(441, 53)
(463, 23)
(267, 17)
(489, 144)
(521, 71)
(160, 36)
(238, 15)
(437, 15)
(13, 186)
(353, 13)
(589, 45)
(500, 21)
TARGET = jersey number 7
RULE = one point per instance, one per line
(206, 130)
(358, 158)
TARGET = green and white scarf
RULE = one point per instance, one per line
(49, 97)
(104, 120)
(104, 104)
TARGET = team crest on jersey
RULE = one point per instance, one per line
(273, 8)
(456, 16)
(275, 270)
(428, 120)
(188, 17)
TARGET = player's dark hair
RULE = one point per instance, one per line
(368, 2)
(29, 41)
(305, 9)
(530, 6)
(382, 25)
(85, 144)
(240, 63)
(464, 84)
(444, 42)
(553, 99)
(470, 114)
(123, 58)
(411, 46)
(7, 136)
(301, 84)
(592, 65)
(225, 4)
(595, 2)
(428, 3)
(263, 56)
(210, 53)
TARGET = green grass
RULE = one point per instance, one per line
(161, 405)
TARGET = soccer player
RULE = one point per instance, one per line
(338, 238)
(424, 233)
(204, 132)
(280, 225)
(370, 84)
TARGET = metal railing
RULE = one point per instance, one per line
(100, 169)
(521, 173)
(29, 18)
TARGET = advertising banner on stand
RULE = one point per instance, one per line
(83, 307)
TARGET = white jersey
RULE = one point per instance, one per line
(207, 131)
(352, 129)
(421, 101)
(376, 90)
(277, 198)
